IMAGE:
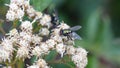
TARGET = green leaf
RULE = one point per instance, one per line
(92, 25)
(93, 62)
(59, 66)
(33, 59)
(40, 5)
(51, 55)
(3, 2)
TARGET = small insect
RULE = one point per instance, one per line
(70, 33)
(55, 19)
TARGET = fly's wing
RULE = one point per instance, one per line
(75, 28)
(76, 36)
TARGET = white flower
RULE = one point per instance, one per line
(13, 35)
(7, 45)
(48, 25)
(18, 2)
(10, 15)
(13, 7)
(57, 38)
(26, 3)
(38, 15)
(30, 11)
(23, 52)
(44, 31)
(37, 51)
(81, 51)
(26, 36)
(42, 63)
(36, 39)
(80, 57)
(80, 61)
(69, 42)
(26, 44)
(56, 32)
(13, 32)
(26, 25)
(63, 26)
(33, 66)
(44, 48)
(70, 50)
(19, 14)
(60, 48)
(15, 12)
(45, 19)
(4, 55)
(51, 43)
(14, 39)
(23, 43)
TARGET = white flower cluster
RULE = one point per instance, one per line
(6, 50)
(39, 64)
(16, 9)
(27, 44)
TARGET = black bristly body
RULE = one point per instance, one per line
(55, 19)
(70, 33)
(65, 32)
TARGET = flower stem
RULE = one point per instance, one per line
(20, 64)
(14, 24)
(59, 62)
(1, 29)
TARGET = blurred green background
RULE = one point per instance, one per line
(100, 21)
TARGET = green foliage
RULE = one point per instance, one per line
(40, 5)
(99, 36)
(94, 61)
(97, 31)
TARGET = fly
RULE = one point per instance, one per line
(70, 33)
(55, 19)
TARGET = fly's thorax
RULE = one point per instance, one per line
(65, 32)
